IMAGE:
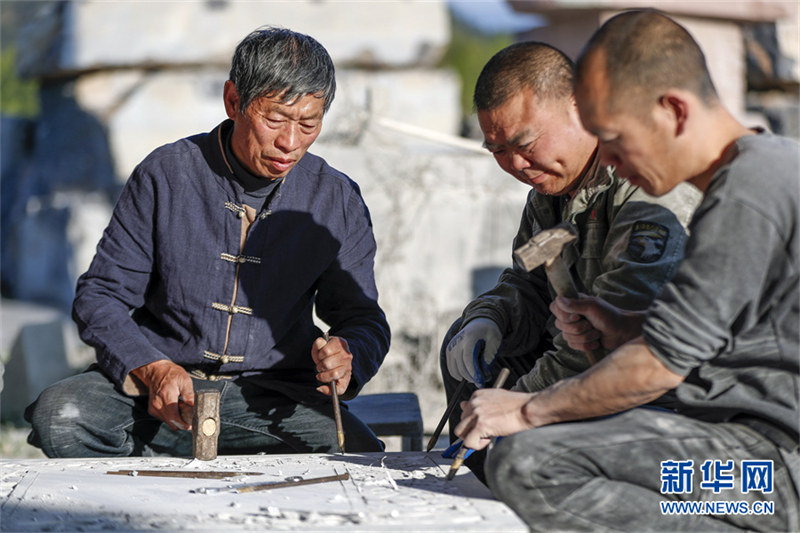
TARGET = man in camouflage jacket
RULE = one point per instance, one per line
(629, 243)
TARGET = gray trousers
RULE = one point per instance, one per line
(606, 474)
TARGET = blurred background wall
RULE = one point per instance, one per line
(91, 87)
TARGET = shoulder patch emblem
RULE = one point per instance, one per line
(647, 241)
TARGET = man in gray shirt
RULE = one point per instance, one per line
(629, 243)
(723, 333)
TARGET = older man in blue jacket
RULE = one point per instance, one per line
(219, 248)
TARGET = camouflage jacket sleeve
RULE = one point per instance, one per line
(520, 301)
(632, 246)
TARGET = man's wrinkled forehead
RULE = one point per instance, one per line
(513, 122)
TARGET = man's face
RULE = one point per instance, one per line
(539, 142)
(270, 137)
(638, 145)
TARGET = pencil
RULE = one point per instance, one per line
(337, 412)
(462, 453)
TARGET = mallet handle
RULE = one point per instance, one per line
(560, 279)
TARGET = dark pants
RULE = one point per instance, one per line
(606, 474)
(518, 367)
(86, 416)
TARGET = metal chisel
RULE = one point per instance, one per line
(253, 487)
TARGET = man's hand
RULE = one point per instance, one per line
(472, 351)
(492, 413)
(334, 362)
(170, 393)
(588, 322)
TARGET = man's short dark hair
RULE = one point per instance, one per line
(537, 66)
(645, 53)
(279, 62)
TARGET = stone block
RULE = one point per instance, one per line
(51, 244)
(740, 10)
(72, 37)
(437, 216)
(780, 109)
(425, 98)
(788, 37)
(40, 257)
(15, 148)
(721, 42)
(15, 314)
(142, 110)
(442, 219)
(773, 52)
(723, 45)
(38, 359)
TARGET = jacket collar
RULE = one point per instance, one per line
(595, 179)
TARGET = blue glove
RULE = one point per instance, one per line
(472, 351)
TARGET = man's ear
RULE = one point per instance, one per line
(230, 97)
(676, 108)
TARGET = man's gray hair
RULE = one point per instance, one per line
(279, 62)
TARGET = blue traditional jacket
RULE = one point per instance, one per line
(186, 272)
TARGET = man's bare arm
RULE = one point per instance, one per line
(629, 377)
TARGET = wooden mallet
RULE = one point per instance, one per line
(545, 248)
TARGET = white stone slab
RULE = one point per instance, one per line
(143, 110)
(38, 358)
(719, 38)
(788, 34)
(426, 98)
(748, 10)
(14, 315)
(160, 108)
(439, 217)
(91, 35)
(399, 491)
